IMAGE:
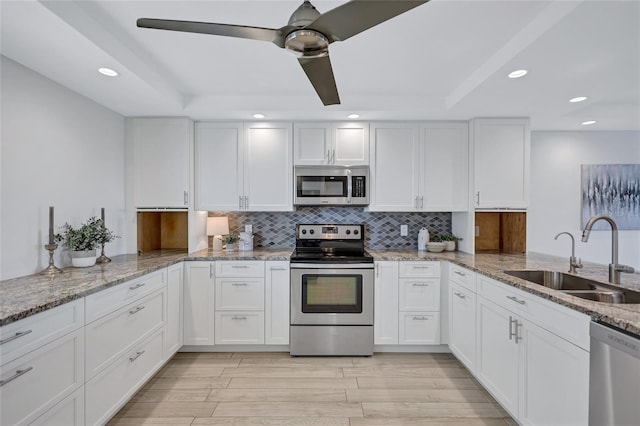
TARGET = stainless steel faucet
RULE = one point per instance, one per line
(573, 262)
(615, 269)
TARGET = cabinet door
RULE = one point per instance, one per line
(395, 165)
(419, 294)
(497, 362)
(240, 294)
(385, 311)
(161, 162)
(501, 162)
(276, 307)
(173, 334)
(198, 303)
(268, 167)
(445, 160)
(462, 324)
(240, 328)
(554, 379)
(350, 144)
(419, 328)
(68, 412)
(311, 144)
(218, 166)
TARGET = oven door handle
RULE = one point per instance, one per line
(331, 265)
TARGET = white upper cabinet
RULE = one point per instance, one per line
(345, 144)
(160, 161)
(419, 167)
(445, 158)
(501, 163)
(244, 167)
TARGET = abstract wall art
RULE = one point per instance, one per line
(612, 190)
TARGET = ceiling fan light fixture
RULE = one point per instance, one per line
(307, 44)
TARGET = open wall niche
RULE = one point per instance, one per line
(501, 232)
(163, 230)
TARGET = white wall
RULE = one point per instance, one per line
(57, 149)
(555, 192)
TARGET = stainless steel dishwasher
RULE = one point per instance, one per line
(614, 382)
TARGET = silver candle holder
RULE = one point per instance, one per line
(102, 258)
(51, 248)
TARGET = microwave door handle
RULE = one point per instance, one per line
(349, 186)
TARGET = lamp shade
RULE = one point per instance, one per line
(217, 225)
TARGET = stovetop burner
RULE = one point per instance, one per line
(330, 244)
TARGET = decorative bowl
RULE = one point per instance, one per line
(436, 247)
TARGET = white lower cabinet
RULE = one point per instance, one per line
(240, 327)
(385, 309)
(539, 376)
(462, 324)
(199, 286)
(276, 303)
(68, 412)
(173, 330)
(109, 390)
(32, 384)
(419, 328)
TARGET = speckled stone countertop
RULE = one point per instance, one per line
(25, 296)
(624, 316)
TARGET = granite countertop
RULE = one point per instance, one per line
(25, 296)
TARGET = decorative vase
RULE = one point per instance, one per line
(231, 247)
(83, 258)
(450, 246)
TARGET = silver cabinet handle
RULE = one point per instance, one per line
(210, 270)
(422, 267)
(15, 376)
(420, 285)
(377, 270)
(186, 198)
(240, 284)
(136, 356)
(239, 266)
(518, 337)
(511, 333)
(137, 286)
(421, 203)
(239, 318)
(276, 268)
(460, 273)
(333, 156)
(415, 203)
(421, 318)
(515, 299)
(15, 336)
(240, 202)
(136, 310)
(478, 198)
(246, 202)
(460, 295)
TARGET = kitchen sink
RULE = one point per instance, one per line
(583, 288)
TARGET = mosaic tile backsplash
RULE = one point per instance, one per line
(382, 230)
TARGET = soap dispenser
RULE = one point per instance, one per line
(423, 239)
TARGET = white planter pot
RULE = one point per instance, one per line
(83, 259)
(231, 247)
(450, 245)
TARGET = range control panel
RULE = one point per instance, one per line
(330, 232)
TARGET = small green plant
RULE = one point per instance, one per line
(88, 236)
(449, 237)
(230, 239)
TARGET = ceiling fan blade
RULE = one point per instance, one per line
(359, 15)
(321, 76)
(228, 30)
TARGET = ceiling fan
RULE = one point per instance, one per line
(308, 34)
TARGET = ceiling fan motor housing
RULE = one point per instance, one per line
(307, 44)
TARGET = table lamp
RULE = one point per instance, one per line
(217, 226)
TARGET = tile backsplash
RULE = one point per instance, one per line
(382, 229)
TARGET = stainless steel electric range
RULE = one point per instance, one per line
(331, 292)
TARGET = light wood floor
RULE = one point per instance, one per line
(250, 389)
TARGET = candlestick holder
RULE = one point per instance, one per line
(51, 269)
(103, 258)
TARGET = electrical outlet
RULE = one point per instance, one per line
(248, 228)
(477, 231)
(404, 231)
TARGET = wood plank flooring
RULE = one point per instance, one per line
(273, 389)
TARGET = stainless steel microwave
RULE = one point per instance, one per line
(331, 186)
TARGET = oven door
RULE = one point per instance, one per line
(331, 294)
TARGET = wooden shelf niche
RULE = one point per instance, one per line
(501, 232)
(163, 230)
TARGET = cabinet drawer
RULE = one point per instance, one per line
(240, 294)
(106, 393)
(110, 336)
(564, 322)
(37, 381)
(419, 328)
(107, 301)
(21, 337)
(68, 412)
(419, 294)
(246, 268)
(462, 276)
(239, 328)
(419, 269)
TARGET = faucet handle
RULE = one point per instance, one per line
(624, 268)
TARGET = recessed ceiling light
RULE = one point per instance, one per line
(108, 72)
(589, 122)
(578, 99)
(517, 73)
(258, 115)
(354, 116)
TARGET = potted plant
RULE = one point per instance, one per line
(82, 241)
(230, 240)
(450, 241)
